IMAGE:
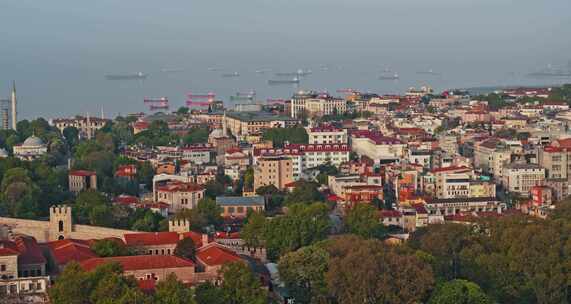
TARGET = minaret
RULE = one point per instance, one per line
(14, 109)
(88, 127)
(224, 131)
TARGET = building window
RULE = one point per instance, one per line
(2, 267)
(60, 226)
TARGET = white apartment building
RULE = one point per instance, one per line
(308, 156)
(314, 104)
(326, 135)
(377, 147)
(520, 178)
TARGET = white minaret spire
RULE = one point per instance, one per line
(14, 106)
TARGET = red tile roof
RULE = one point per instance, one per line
(8, 248)
(82, 173)
(151, 238)
(214, 255)
(126, 199)
(180, 187)
(564, 143)
(195, 236)
(30, 252)
(453, 168)
(139, 262)
(65, 251)
(390, 213)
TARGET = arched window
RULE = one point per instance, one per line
(60, 226)
(60, 237)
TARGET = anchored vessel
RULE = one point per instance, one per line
(139, 75)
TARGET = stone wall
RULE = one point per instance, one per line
(40, 230)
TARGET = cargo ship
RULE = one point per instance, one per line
(298, 73)
(283, 81)
(389, 77)
(135, 76)
(230, 75)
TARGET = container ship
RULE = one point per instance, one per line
(389, 77)
(283, 81)
(298, 73)
(135, 76)
(230, 75)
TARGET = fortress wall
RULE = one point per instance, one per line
(94, 232)
(40, 230)
(37, 229)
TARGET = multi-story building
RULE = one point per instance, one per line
(242, 124)
(326, 135)
(238, 206)
(521, 178)
(312, 104)
(273, 170)
(555, 162)
(305, 157)
(23, 270)
(179, 195)
(87, 126)
(377, 147)
(82, 180)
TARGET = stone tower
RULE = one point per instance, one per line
(60, 222)
(179, 226)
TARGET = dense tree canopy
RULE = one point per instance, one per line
(279, 136)
(363, 220)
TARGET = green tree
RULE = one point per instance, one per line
(207, 293)
(304, 192)
(240, 285)
(303, 272)
(109, 248)
(363, 220)
(303, 225)
(185, 248)
(278, 136)
(198, 135)
(71, 135)
(206, 213)
(369, 272)
(172, 291)
(253, 231)
(70, 286)
(459, 291)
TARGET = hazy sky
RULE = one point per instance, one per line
(59, 50)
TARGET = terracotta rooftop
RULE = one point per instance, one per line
(214, 255)
(139, 262)
(151, 238)
(65, 251)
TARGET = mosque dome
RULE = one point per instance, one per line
(216, 133)
(33, 141)
(3, 153)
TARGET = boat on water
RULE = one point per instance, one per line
(283, 81)
(172, 70)
(229, 75)
(389, 77)
(429, 72)
(298, 73)
(553, 74)
(134, 76)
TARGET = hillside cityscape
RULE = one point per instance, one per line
(285, 152)
(423, 197)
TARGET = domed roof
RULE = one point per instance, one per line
(33, 141)
(216, 133)
(3, 152)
